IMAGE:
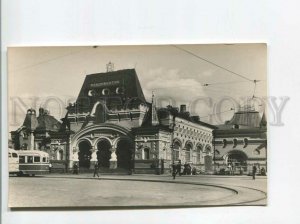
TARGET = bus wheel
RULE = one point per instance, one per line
(19, 174)
(33, 175)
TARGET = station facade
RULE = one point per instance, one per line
(111, 123)
(241, 143)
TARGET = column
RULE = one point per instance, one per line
(113, 159)
(75, 155)
(93, 156)
(69, 153)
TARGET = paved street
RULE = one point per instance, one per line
(83, 190)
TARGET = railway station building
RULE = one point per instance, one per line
(112, 123)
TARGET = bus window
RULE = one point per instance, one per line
(9, 155)
(30, 159)
(15, 155)
(37, 159)
(21, 159)
(44, 159)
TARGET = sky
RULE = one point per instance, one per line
(177, 74)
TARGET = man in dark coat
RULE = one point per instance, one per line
(179, 167)
(174, 170)
(75, 168)
(254, 172)
(96, 169)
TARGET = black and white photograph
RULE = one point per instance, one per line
(137, 126)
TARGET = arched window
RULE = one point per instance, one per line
(188, 149)
(207, 150)
(60, 155)
(176, 147)
(146, 153)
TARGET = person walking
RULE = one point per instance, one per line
(174, 170)
(96, 170)
(50, 167)
(75, 168)
(179, 168)
(229, 169)
(254, 169)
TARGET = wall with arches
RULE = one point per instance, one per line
(241, 152)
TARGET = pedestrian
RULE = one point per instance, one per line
(263, 172)
(189, 169)
(254, 169)
(75, 168)
(194, 171)
(174, 170)
(96, 170)
(179, 168)
(229, 169)
(50, 167)
(185, 168)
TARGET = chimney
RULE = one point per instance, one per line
(195, 118)
(182, 108)
(41, 111)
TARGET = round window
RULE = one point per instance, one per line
(105, 92)
(120, 90)
(92, 92)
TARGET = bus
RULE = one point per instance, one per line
(32, 162)
(13, 161)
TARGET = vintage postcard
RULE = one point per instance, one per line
(137, 126)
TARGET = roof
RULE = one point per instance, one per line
(244, 120)
(115, 85)
(247, 132)
(48, 122)
(149, 116)
(161, 112)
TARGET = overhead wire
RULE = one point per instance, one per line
(222, 83)
(222, 67)
(212, 63)
(50, 60)
(231, 109)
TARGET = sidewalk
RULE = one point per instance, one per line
(151, 176)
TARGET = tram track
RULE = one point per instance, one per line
(239, 195)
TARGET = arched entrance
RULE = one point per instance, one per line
(237, 158)
(103, 153)
(84, 154)
(124, 154)
(208, 159)
(238, 161)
